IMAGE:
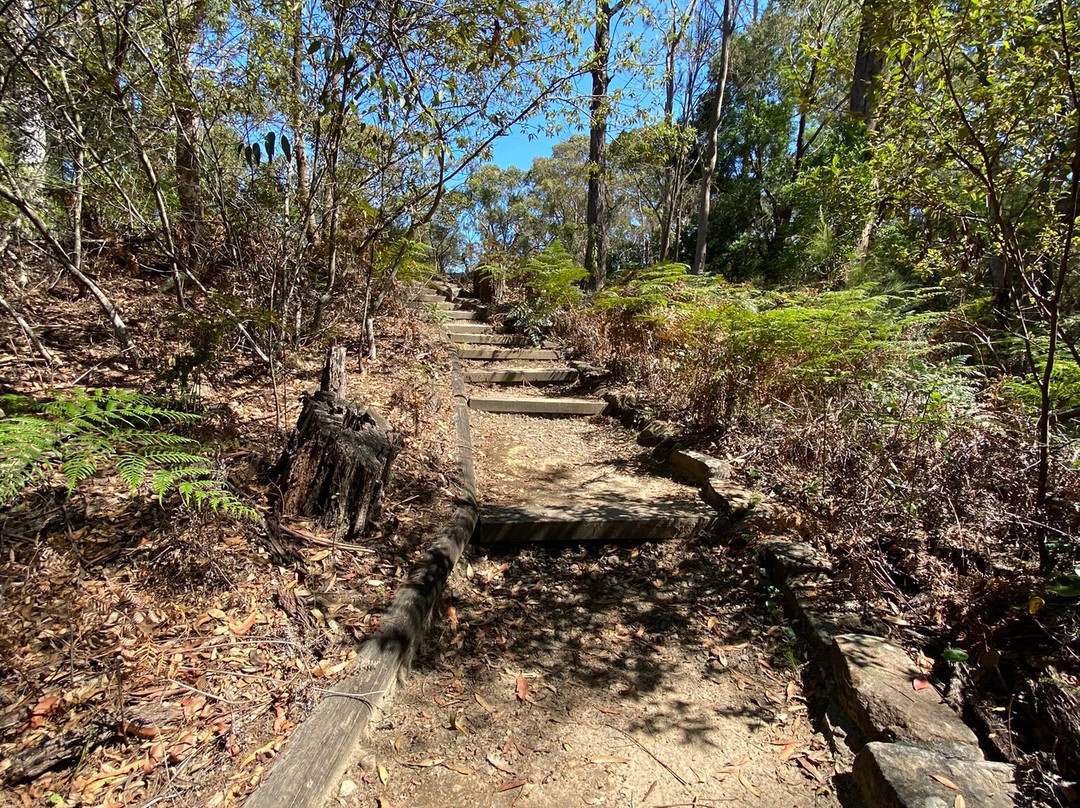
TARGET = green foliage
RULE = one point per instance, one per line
(80, 434)
(547, 283)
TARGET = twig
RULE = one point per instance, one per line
(222, 699)
(670, 770)
(364, 697)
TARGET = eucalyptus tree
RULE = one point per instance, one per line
(728, 16)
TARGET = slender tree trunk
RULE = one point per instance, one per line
(708, 166)
(30, 135)
(303, 181)
(596, 213)
(27, 330)
(869, 62)
(119, 327)
(191, 216)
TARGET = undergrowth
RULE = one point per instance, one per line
(77, 435)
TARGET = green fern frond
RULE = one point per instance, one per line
(79, 434)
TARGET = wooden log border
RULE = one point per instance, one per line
(322, 746)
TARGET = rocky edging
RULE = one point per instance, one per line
(324, 745)
(913, 750)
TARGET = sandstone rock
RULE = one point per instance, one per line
(874, 684)
(656, 432)
(893, 775)
(698, 468)
(793, 558)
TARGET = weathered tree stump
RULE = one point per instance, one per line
(338, 459)
(334, 380)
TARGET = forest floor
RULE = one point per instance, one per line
(154, 655)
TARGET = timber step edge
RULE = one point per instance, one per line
(496, 353)
(593, 523)
(522, 375)
(538, 406)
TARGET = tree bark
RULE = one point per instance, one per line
(334, 379)
(596, 213)
(708, 167)
(336, 465)
(869, 62)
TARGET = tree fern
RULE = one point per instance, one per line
(77, 435)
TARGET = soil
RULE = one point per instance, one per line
(526, 460)
(645, 675)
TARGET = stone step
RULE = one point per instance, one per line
(465, 327)
(614, 521)
(488, 339)
(430, 297)
(463, 314)
(499, 354)
(522, 375)
(538, 406)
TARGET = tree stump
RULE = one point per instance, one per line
(336, 465)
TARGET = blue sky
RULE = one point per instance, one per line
(517, 149)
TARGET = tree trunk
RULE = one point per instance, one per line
(708, 167)
(192, 210)
(336, 465)
(303, 182)
(596, 205)
(869, 62)
(30, 135)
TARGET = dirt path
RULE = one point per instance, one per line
(644, 675)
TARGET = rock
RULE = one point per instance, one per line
(892, 775)
(730, 500)
(655, 432)
(697, 467)
(624, 407)
(788, 559)
(874, 684)
(346, 788)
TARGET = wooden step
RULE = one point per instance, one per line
(430, 297)
(463, 314)
(614, 521)
(465, 327)
(522, 376)
(538, 406)
(499, 354)
(488, 339)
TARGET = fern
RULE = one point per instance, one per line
(548, 283)
(77, 435)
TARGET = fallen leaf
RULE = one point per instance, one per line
(511, 785)
(746, 784)
(945, 781)
(608, 711)
(1035, 604)
(812, 769)
(608, 759)
(384, 775)
(243, 627)
(522, 688)
(427, 763)
(499, 764)
(788, 751)
(919, 684)
(45, 706)
(959, 802)
(483, 703)
(457, 767)
(346, 788)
